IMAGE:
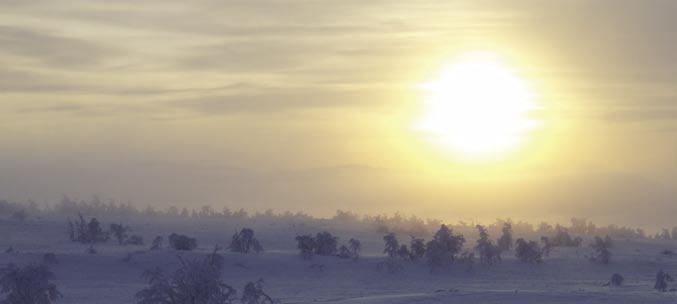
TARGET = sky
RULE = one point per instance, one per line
(309, 106)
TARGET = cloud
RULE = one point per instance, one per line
(51, 49)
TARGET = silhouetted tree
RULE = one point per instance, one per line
(245, 242)
(662, 279)
(119, 231)
(253, 294)
(442, 249)
(306, 244)
(417, 249)
(392, 245)
(157, 243)
(505, 241)
(87, 232)
(326, 244)
(601, 252)
(489, 253)
(528, 252)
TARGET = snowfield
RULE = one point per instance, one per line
(106, 278)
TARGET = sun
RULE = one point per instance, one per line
(478, 107)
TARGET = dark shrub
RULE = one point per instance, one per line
(601, 252)
(50, 258)
(182, 242)
(326, 244)
(306, 244)
(417, 249)
(392, 246)
(616, 280)
(157, 243)
(119, 231)
(662, 279)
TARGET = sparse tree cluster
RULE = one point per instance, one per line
(326, 244)
(441, 251)
(563, 239)
(86, 232)
(245, 242)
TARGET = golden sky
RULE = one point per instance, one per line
(310, 105)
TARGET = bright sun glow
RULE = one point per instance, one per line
(478, 107)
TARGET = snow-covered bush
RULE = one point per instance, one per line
(157, 243)
(528, 252)
(326, 244)
(442, 249)
(505, 241)
(253, 294)
(119, 231)
(489, 253)
(306, 244)
(245, 242)
(662, 279)
(182, 242)
(27, 285)
(87, 231)
(601, 252)
(134, 240)
(195, 282)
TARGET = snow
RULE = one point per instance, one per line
(565, 277)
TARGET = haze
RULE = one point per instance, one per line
(309, 106)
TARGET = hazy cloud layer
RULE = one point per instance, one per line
(278, 89)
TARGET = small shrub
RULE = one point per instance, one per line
(601, 252)
(91, 250)
(662, 279)
(182, 242)
(390, 265)
(547, 245)
(245, 242)
(354, 247)
(9, 250)
(528, 252)
(157, 243)
(616, 280)
(28, 285)
(468, 260)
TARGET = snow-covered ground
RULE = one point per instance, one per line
(565, 277)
